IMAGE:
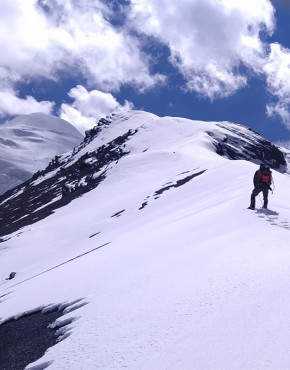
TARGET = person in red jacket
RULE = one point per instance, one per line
(262, 183)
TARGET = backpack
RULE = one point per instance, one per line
(265, 177)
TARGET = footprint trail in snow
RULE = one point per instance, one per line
(273, 218)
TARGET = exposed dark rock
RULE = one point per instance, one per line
(91, 236)
(236, 144)
(26, 339)
(171, 185)
(11, 276)
(177, 184)
(143, 205)
(38, 197)
(118, 214)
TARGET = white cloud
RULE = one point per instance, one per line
(209, 40)
(277, 71)
(283, 144)
(11, 105)
(40, 39)
(215, 44)
(89, 106)
(281, 110)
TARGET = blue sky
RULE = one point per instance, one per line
(204, 60)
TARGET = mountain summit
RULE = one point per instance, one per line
(141, 238)
(28, 143)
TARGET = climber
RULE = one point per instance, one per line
(262, 183)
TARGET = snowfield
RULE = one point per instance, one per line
(168, 271)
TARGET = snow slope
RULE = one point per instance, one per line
(173, 272)
(28, 143)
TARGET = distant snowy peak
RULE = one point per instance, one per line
(28, 143)
(42, 122)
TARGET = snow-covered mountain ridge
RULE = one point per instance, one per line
(154, 244)
(134, 133)
(28, 143)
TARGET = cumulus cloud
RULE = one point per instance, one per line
(283, 144)
(11, 105)
(281, 110)
(215, 44)
(51, 37)
(277, 72)
(89, 106)
(209, 40)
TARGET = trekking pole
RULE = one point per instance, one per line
(273, 185)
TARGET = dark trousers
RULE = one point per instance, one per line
(256, 192)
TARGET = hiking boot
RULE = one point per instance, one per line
(251, 207)
(264, 206)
